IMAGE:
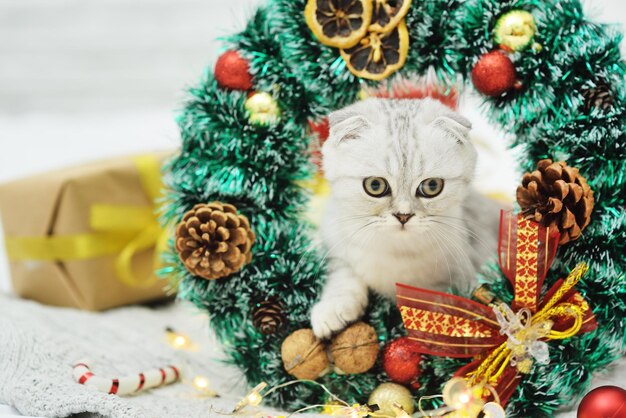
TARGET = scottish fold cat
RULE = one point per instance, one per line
(401, 209)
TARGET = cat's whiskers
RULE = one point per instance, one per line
(315, 246)
(431, 233)
(346, 239)
(458, 250)
(461, 228)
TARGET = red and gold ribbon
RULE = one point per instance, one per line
(504, 341)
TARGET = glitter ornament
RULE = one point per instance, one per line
(514, 30)
(386, 394)
(494, 74)
(401, 361)
(605, 401)
(263, 109)
(232, 71)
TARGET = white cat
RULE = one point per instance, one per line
(401, 206)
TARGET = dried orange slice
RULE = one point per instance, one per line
(378, 54)
(387, 14)
(338, 23)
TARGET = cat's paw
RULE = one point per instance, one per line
(332, 315)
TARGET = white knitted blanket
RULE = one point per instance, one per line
(39, 345)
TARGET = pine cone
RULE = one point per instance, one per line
(599, 97)
(268, 317)
(213, 241)
(557, 196)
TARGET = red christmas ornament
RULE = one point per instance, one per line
(402, 362)
(603, 402)
(494, 74)
(233, 72)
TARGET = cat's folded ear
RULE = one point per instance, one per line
(454, 125)
(345, 124)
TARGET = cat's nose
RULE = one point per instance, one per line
(403, 217)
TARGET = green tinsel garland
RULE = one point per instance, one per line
(223, 157)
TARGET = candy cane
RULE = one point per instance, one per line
(125, 385)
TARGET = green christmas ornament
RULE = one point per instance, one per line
(223, 156)
(515, 30)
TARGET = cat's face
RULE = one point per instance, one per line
(399, 166)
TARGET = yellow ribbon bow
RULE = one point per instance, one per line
(117, 229)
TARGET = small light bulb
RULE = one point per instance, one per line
(200, 382)
(464, 398)
(254, 399)
(180, 341)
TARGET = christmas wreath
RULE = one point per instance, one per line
(548, 75)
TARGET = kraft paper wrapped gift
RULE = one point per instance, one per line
(85, 237)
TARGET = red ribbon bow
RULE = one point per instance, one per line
(442, 324)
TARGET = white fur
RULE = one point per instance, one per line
(440, 247)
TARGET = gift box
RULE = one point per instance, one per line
(87, 236)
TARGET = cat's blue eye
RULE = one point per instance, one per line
(430, 187)
(376, 186)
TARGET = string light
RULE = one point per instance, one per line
(179, 341)
(253, 398)
(201, 384)
(465, 401)
(493, 410)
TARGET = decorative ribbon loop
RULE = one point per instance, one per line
(526, 251)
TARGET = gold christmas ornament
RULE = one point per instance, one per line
(378, 55)
(304, 356)
(515, 30)
(213, 240)
(338, 23)
(387, 14)
(386, 394)
(355, 349)
(557, 196)
(263, 108)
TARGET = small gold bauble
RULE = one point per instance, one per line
(386, 394)
(304, 356)
(515, 30)
(263, 108)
